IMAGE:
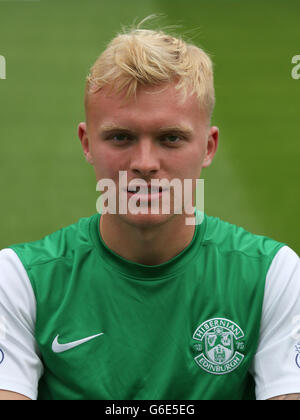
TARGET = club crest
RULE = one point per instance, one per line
(218, 341)
(297, 347)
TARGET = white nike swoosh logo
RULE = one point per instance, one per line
(60, 348)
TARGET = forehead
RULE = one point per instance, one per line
(151, 107)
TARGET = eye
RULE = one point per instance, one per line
(172, 138)
(120, 137)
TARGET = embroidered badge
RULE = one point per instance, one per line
(297, 347)
(219, 342)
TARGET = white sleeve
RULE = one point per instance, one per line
(20, 364)
(276, 367)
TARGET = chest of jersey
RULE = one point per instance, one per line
(104, 335)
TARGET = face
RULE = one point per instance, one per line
(152, 137)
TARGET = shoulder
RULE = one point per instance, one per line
(282, 285)
(279, 341)
(15, 289)
(57, 245)
(232, 239)
(22, 366)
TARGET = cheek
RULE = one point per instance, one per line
(188, 165)
(107, 163)
(196, 159)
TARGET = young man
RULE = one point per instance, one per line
(145, 306)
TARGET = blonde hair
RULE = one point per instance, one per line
(143, 57)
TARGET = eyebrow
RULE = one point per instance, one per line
(179, 129)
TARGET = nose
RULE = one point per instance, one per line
(145, 159)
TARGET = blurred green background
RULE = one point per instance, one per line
(49, 46)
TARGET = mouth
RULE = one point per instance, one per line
(153, 193)
(154, 190)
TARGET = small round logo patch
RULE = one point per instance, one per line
(219, 342)
(298, 355)
(1, 356)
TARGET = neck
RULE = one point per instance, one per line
(146, 245)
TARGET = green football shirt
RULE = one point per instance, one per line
(108, 328)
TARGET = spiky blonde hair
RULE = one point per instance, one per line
(143, 57)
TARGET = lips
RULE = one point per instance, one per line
(153, 190)
(146, 197)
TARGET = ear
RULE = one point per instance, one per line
(83, 137)
(212, 146)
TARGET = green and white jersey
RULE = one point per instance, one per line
(218, 321)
